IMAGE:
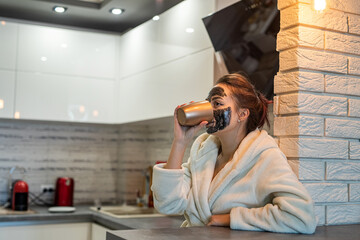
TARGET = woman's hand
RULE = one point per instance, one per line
(182, 134)
(221, 220)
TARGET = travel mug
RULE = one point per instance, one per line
(194, 113)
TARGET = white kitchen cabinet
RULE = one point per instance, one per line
(58, 231)
(70, 75)
(42, 96)
(98, 232)
(66, 52)
(165, 63)
(68, 231)
(156, 93)
(8, 39)
(7, 91)
(178, 33)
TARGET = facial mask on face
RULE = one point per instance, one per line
(222, 120)
(216, 91)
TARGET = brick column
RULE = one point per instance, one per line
(317, 103)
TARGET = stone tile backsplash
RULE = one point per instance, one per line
(107, 162)
(47, 150)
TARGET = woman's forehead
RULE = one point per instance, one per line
(224, 87)
(218, 90)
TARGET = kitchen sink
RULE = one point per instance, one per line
(126, 211)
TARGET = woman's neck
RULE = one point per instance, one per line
(230, 142)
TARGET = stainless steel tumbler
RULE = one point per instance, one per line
(194, 113)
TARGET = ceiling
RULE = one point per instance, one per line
(90, 14)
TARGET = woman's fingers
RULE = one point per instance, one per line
(220, 220)
(211, 222)
(200, 126)
(185, 132)
(176, 109)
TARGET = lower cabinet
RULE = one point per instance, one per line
(98, 232)
(68, 231)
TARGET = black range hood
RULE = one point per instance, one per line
(244, 34)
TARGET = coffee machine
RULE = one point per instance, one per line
(19, 195)
(18, 192)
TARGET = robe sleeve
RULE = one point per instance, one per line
(171, 188)
(289, 209)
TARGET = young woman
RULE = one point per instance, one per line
(236, 175)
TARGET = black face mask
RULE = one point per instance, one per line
(219, 91)
(222, 120)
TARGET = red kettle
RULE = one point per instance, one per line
(64, 191)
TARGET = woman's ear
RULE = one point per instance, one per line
(243, 114)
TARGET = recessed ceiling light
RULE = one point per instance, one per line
(59, 9)
(117, 11)
(155, 18)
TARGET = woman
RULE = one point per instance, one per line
(236, 175)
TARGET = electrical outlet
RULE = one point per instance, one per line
(47, 188)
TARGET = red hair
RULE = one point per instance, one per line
(246, 96)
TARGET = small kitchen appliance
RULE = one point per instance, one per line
(19, 195)
(64, 191)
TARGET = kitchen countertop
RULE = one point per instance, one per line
(84, 214)
(166, 227)
(337, 232)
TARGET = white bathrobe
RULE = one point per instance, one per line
(257, 187)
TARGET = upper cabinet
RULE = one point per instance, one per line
(66, 52)
(179, 32)
(7, 90)
(8, 39)
(63, 75)
(55, 74)
(52, 97)
(156, 93)
(165, 63)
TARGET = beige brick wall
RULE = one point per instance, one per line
(317, 103)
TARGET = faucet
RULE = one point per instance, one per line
(148, 181)
(97, 204)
